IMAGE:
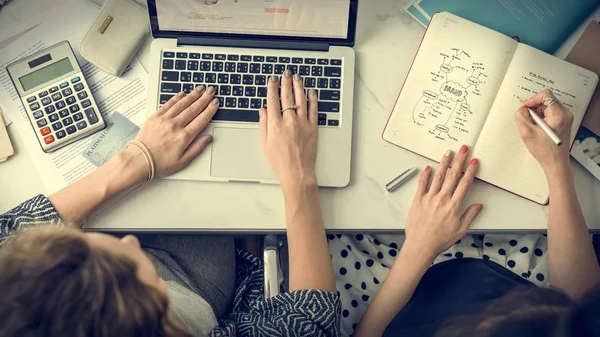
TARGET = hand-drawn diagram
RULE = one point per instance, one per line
(445, 110)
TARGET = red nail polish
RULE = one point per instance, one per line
(480, 206)
(464, 149)
(427, 168)
(474, 161)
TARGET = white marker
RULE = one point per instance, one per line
(539, 121)
(401, 179)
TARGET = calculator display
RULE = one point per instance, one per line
(46, 74)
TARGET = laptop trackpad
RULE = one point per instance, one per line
(236, 154)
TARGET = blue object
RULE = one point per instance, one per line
(543, 24)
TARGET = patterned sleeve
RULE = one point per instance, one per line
(35, 211)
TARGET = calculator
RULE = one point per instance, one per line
(56, 96)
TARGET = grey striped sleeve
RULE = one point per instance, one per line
(35, 211)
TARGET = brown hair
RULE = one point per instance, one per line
(53, 283)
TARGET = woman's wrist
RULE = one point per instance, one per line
(558, 170)
(419, 255)
(132, 166)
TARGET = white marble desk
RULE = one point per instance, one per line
(387, 39)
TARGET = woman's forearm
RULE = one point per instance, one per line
(310, 263)
(78, 201)
(395, 292)
(572, 261)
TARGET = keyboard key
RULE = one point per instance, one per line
(225, 90)
(267, 68)
(53, 118)
(248, 79)
(207, 56)
(170, 76)
(242, 67)
(71, 129)
(67, 92)
(63, 113)
(243, 103)
(262, 92)
(322, 116)
(323, 61)
(333, 122)
(67, 121)
(81, 125)
(180, 65)
(168, 54)
(38, 114)
(310, 82)
(74, 108)
(238, 90)
(284, 60)
(46, 101)
(187, 88)
(230, 67)
(63, 85)
(230, 102)
(71, 100)
(333, 71)
(246, 58)
(297, 60)
(53, 89)
(78, 86)
(233, 58)
(220, 57)
(322, 83)
(322, 121)
(255, 103)
(271, 59)
(49, 109)
(192, 65)
(336, 62)
(34, 106)
(210, 78)
(165, 98)
(86, 103)
(195, 56)
(198, 77)
(250, 92)
(293, 68)
(264, 103)
(61, 134)
(49, 139)
(32, 98)
(335, 83)
(304, 70)
(57, 126)
(235, 79)
(185, 76)
(78, 116)
(168, 64)
(329, 107)
(205, 65)
(317, 71)
(221, 101)
(170, 87)
(91, 115)
(236, 115)
(260, 80)
(217, 66)
(182, 55)
(81, 95)
(258, 58)
(42, 122)
(60, 105)
(255, 68)
(279, 69)
(214, 86)
(310, 61)
(43, 94)
(329, 95)
(223, 78)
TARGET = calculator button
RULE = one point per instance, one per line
(49, 139)
(82, 95)
(57, 126)
(78, 86)
(86, 103)
(91, 115)
(43, 93)
(60, 134)
(46, 101)
(60, 105)
(67, 92)
(38, 114)
(67, 121)
(75, 79)
(81, 125)
(56, 96)
(53, 117)
(49, 109)
(45, 131)
(74, 108)
(31, 99)
(64, 85)
(70, 100)
(34, 106)
(63, 113)
(53, 89)
(71, 129)
(78, 116)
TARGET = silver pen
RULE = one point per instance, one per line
(401, 179)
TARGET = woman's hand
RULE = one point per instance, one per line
(170, 133)
(435, 221)
(559, 118)
(289, 141)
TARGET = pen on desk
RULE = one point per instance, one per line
(401, 179)
(539, 121)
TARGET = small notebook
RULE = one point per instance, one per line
(464, 86)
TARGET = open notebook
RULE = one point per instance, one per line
(464, 86)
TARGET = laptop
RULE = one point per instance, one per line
(235, 46)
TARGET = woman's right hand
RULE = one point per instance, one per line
(559, 118)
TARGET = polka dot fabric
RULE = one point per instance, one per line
(362, 262)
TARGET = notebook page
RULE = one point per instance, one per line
(505, 161)
(450, 88)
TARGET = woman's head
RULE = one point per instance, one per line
(61, 282)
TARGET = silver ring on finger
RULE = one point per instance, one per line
(291, 107)
(548, 102)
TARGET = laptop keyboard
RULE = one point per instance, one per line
(240, 81)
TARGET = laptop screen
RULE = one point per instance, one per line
(292, 18)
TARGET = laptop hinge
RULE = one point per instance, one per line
(261, 44)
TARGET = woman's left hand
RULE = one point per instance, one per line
(435, 221)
